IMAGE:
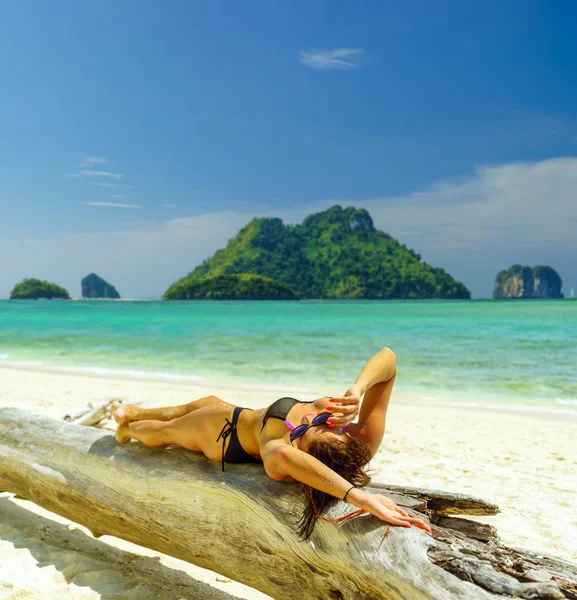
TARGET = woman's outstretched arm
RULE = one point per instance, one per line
(283, 462)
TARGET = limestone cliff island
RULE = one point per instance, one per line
(521, 281)
(35, 289)
(334, 254)
(96, 287)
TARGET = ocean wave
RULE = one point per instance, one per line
(89, 369)
(131, 373)
(508, 406)
(21, 363)
(566, 401)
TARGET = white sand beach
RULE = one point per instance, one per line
(524, 461)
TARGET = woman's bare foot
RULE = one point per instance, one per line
(121, 434)
(124, 413)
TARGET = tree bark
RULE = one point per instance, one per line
(242, 524)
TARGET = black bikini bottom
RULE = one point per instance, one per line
(235, 453)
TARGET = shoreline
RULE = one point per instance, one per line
(558, 411)
(521, 460)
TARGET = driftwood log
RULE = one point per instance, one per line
(99, 416)
(242, 524)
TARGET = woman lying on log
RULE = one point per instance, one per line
(315, 442)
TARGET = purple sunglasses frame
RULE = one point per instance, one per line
(302, 429)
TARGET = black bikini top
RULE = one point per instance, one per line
(280, 409)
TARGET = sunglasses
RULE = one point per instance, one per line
(299, 430)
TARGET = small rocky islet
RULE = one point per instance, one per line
(94, 286)
(519, 281)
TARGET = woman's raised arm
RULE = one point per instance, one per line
(375, 381)
(380, 368)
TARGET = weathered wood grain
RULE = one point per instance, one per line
(242, 524)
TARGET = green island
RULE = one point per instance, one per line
(334, 254)
(241, 286)
(34, 289)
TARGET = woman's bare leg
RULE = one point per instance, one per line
(125, 413)
(197, 430)
(149, 432)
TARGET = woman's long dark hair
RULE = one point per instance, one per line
(347, 457)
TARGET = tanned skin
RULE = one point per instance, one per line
(197, 425)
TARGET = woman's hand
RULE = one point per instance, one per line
(345, 408)
(385, 509)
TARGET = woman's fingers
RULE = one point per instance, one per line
(399, 522)
(342, 409)
(340, 421)
(386, 510)
(418, 523)
(422, 525)
(413, 520)
(409, 522)
(345, 400)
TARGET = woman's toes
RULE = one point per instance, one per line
(125, 413)
(119, 414)
(122, 434)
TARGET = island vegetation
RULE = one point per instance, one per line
(94, 286)
(336, 253)
(34, 289)
(230, 287)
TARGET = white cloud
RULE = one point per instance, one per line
(516, 204)
(110, 185)
(118, 196)
(340, 58)
(94, 160)
(101, 174)
(113, 204)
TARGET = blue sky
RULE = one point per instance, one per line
(136, 137)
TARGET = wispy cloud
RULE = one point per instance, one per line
(112, 204)
(118, 196)
(101, 174)
(501, 206)
(106, 184)
(94, 160)
(340, 58)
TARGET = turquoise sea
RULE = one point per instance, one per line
(521, 352)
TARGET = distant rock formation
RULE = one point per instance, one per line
(34, 289)
(524, 282)
(95, 287)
